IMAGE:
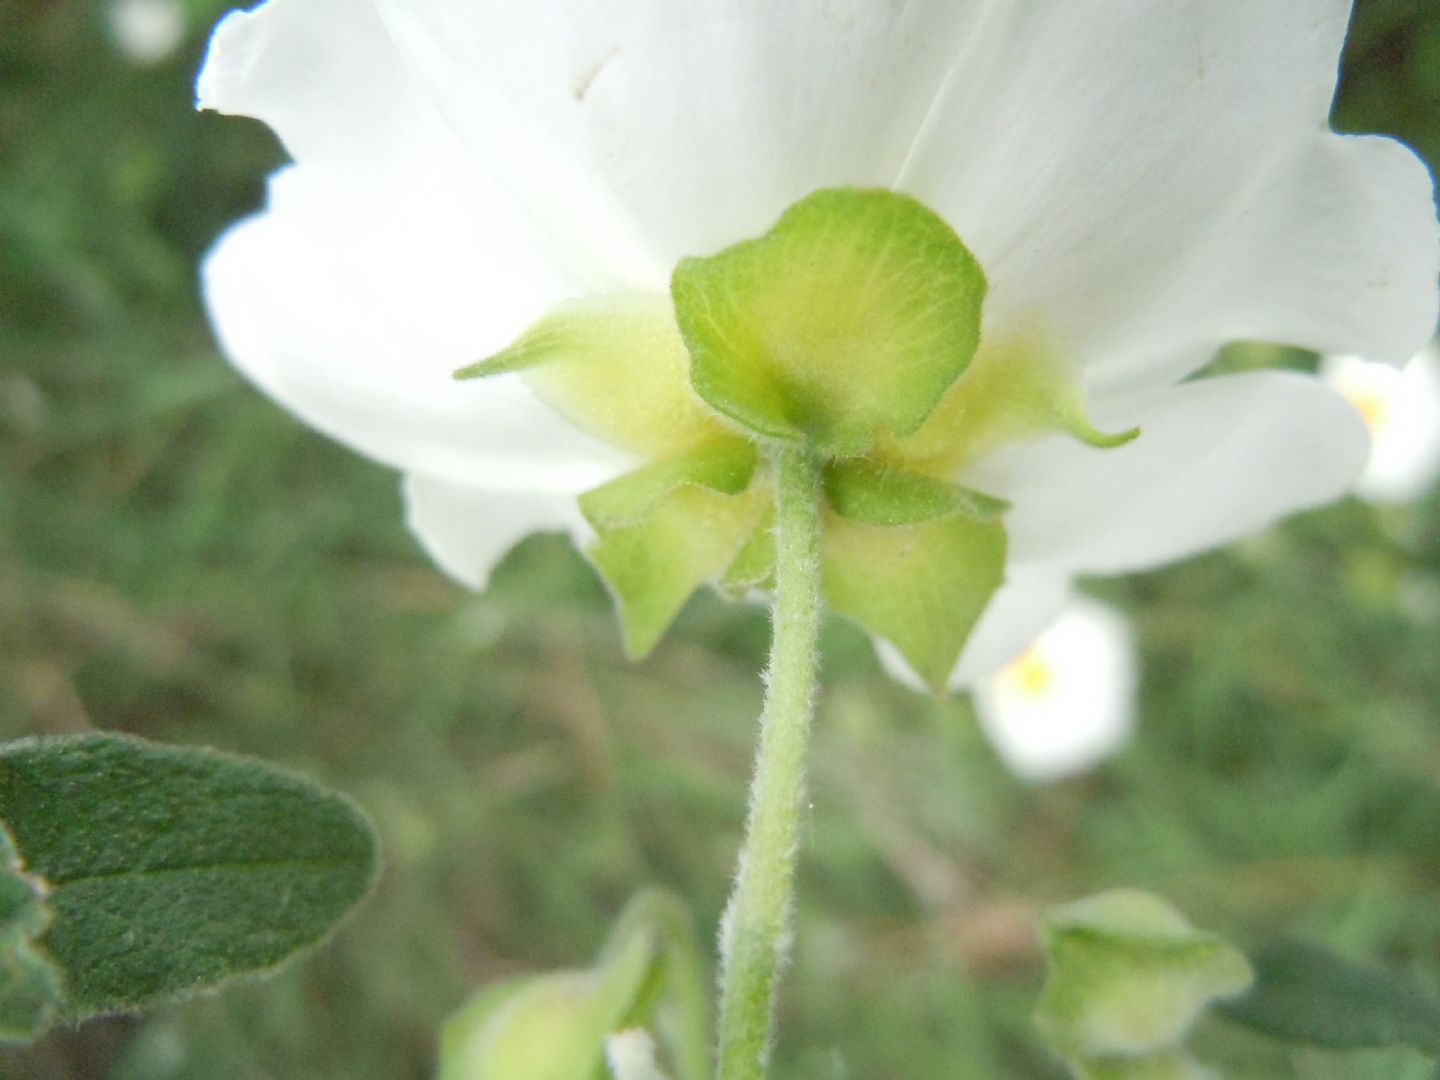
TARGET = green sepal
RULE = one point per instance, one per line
(1307, 994)
(172, 869)
(1129, 976)
(614, 366)
(880, 495)
(690, 537)
(31, 985)
(754, 565)
(554, 1026)
(1013, 390)
(922, 587)
(852, 316)
(726, 466)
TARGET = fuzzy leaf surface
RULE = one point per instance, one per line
(172, 869)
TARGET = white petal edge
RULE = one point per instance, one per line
(467, 531)
(1028, 601)
(1069, 702)
(1216, 459)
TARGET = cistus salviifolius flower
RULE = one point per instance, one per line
(1139, 183)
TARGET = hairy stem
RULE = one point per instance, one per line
(756, 932)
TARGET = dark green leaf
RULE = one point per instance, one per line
(1306, 994)
(171, 869)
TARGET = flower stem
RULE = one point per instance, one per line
(755, 934)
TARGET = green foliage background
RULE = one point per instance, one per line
(182, 560)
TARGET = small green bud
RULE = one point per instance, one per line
(1129, 976)
(556, 1026)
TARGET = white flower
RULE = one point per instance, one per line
(1068, 701)
(1402, 410)
(1141, 182)
(146, 31)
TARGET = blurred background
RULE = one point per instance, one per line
(182, 560)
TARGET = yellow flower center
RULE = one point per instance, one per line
(1031, 674)
(1374, 408)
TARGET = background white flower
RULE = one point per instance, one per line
(1068, 701)
(1142, 183)
(1402, 410)
(146, 31)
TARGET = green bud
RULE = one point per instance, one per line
(555, 1026)
(1129, 976)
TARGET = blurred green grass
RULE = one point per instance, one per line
(180, 559)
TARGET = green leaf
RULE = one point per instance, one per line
(851, 317)
(171, 869)
(614, 366)
(690, 537)
(1307, 994)
(554, 1026)
(726, 466)
(31, 987)
(1128, 976)
(922, 587)
(879, 495)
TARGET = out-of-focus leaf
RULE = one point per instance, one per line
(1306, 994)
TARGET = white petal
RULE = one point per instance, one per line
(686, 125)
(1028, 601)
(1402, 410)
(383, 261)
(354, 316)
(1069, 702)
(325, 77)
(467, 530)
(1147, 181)
(1215, 459)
